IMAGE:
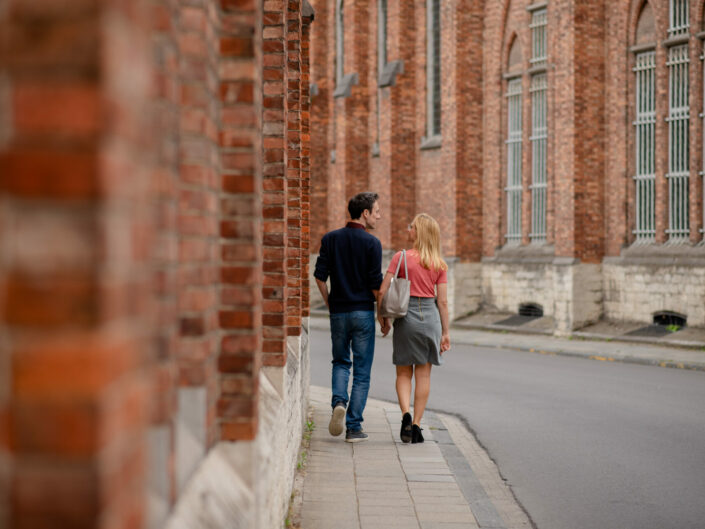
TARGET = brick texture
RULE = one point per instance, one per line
(154, 237)
(77, 236)
(461, 180)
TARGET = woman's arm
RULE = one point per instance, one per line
(442, 298)
(384, 287)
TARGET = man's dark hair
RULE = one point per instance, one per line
(360, 203)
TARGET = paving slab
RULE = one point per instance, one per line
(383, 483)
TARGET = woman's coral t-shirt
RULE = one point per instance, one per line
(423, 280)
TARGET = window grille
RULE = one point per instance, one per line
(339, 43)
(539, 135)
(678, 147)
(514, 139)
(678, 18)
(644, 124)
(539, 21)
(433, 67)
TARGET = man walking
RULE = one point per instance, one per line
(353, 259)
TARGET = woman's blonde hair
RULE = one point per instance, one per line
(428, 242)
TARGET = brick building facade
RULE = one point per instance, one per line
(154, 245)
(565, 168)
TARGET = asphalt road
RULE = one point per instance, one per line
(583, 444)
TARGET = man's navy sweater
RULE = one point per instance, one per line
(353, 260)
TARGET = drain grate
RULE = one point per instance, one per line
(516, 321)
(650, 331)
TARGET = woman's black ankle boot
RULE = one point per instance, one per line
(416, 436)
(405, 433)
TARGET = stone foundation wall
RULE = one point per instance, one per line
(568, 291)
(248, 483)
(464, 288)
(636, 291)
(578, 295)
(506, 285)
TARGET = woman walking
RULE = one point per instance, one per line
(422, 336)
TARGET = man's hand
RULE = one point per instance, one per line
(384, 323)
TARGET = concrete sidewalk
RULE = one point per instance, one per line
(448, 482)
(598, 348)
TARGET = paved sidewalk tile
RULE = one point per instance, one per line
(380, 483)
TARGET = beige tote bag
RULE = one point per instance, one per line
(396, 300)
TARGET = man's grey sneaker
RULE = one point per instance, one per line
(405, 433)
(335, 426)
(355, 437)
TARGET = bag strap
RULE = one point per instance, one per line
(406, 270)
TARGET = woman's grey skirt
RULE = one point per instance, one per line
(417, 336)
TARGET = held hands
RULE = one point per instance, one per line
(445, 343)
(384, 323)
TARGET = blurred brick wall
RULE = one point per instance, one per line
(140, 282)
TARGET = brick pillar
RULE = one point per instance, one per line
(402, 110)
(322, 49)
(307, 19)
(241, 221)
(198, 235)
(275, 188)
(75, 313)
(468, 146)
(356, 107)
(161, 445)
(579, 224)
(293, 169)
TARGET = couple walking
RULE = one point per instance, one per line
(352, 258)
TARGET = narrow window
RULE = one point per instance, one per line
(702, 124)
(644, 124)
(339, 43)
(539, 135)
(381, 36)
(514, 140)
(678, 18)
(539, 126)
(539, 20)
(381, 63)
(433, 67)
(678, 144)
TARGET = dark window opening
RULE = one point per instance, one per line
(436, 125)
(668, 318)
(533, 310)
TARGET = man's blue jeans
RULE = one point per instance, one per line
(352, 330)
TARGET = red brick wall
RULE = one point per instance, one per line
(165, 266)
(620, 148)
(321, 76)
(293, 168)
(77, 234)
(197, 216)
(445, 181)
(399, 140)
(242, 205)
(590, 158)
(275, 128)
(154, 195)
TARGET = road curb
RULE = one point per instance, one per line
(691, 366)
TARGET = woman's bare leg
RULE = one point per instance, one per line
(404, 374)
(422, 374)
